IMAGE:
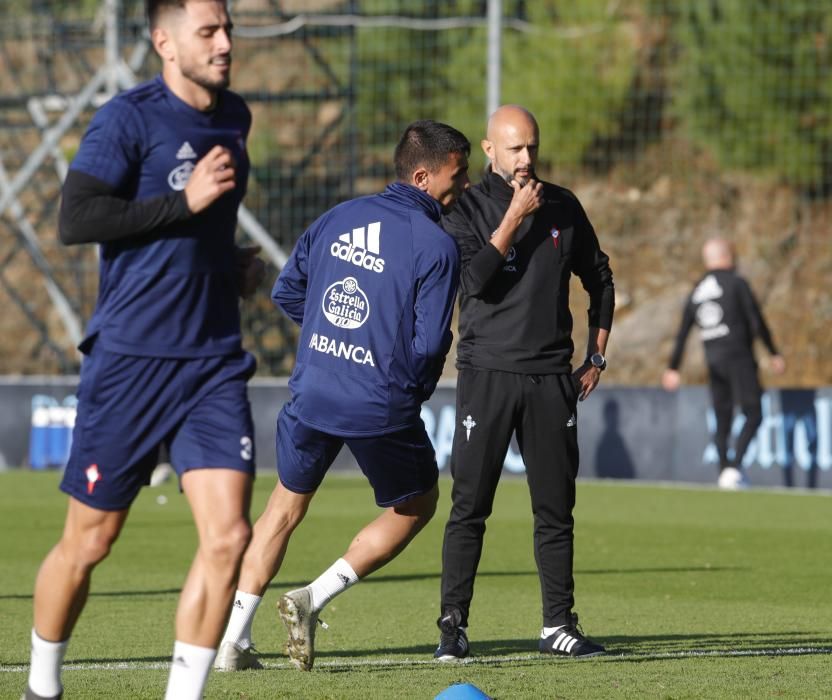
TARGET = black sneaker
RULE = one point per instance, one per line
(453, 642)
(569, 640)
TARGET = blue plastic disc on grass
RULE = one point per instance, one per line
(461, 691)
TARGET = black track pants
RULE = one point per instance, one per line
(735, 384)
(491, 405)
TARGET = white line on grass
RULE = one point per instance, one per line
(476, 660)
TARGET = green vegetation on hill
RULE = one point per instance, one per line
(752, 82)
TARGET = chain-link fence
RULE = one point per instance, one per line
(641, 97)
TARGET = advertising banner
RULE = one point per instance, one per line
(624, 432)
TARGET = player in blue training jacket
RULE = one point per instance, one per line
(372, 283)
(157, 181)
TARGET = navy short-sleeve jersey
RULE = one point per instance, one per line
(172, 293)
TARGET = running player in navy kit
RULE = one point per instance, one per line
(372, 283)
(157, 182)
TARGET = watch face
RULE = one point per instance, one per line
(597, 360)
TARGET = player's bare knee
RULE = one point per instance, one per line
(286, 516)
(423, 518)
(285, 511)
(239, 536)
(421, 508)
(293, 517)
(89, 549)
(225, 546)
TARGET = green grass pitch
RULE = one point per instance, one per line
(696, 593)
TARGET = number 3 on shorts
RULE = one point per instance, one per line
(245, 447)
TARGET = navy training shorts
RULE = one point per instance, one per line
(398, 465)
(130, 405)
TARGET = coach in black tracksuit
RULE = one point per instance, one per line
(519, 244)
(729, 318)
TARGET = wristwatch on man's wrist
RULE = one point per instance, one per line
(598, 361)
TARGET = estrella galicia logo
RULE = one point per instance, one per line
(709, 317)
(179, 176)
(345, 304)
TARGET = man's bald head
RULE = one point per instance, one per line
(511, 143)
(510, 117)
(718, 254)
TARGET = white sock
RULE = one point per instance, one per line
(45, 668)
(189, 671)
(242, 615)
(336, 579)
(549, 630)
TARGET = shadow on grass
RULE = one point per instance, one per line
(734, 644)
(662, 570)
(579, 572)
(108, 594)
(655, 647)
(524, 652)
(435, 575)
(287, 585)
(115, 661)
(642, 648)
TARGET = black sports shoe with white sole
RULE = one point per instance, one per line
(453, 642)
(568, 640)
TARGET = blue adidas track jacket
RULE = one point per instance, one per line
(372, 284)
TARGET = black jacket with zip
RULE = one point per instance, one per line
(514, 311)
(729, 318)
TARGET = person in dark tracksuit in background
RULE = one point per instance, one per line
(520, 241)
(372, 283)
(729, 318)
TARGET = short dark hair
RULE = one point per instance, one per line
(426, 143)
(155, 8)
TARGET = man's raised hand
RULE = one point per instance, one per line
(527, 199)
(211, 178)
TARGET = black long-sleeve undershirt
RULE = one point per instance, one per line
(91, 213)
